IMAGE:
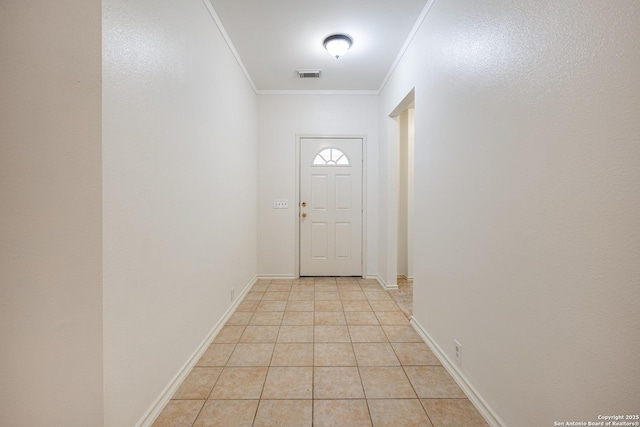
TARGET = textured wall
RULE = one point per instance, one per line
(179, 193)
(527, 205)
(50, 214)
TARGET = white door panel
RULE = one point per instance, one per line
(343, 192)
(330, 207)
(319, 190)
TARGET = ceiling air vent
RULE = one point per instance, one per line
(309, 74)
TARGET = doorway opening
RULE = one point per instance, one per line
(400, 207)
(404, 295)
(405, 193)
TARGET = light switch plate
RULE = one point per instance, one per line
(280, 204)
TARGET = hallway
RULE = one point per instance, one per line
(322, 352)
(151, 172)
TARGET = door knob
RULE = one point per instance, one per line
(304, 215)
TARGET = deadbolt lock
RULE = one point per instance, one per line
(304, 204)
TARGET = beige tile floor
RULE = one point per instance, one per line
(321, 352)
(403, 296)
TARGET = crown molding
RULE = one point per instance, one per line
(320, 92)
(403, 49)
(407, 42)
(227, 39)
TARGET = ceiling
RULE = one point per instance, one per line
(274, 38)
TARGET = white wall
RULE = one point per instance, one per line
(526, 200)
(281, 118)
(50, 214)
(180, 180)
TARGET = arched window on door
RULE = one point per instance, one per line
(331, 157)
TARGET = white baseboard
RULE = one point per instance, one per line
(156, 408)
(382, 282)
(483, 407)
(276, 276)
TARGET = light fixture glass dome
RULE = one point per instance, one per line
(337, 44)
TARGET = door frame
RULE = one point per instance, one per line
(299, 138)
(393, 147)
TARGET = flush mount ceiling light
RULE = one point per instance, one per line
(337, 44)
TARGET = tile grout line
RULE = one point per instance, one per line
(200, 411)
(351, 342)
(313, 354)
(255, 415)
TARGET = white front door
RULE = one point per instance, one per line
(331, 207)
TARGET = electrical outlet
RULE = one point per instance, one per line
(233, 293)
(458, 350)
